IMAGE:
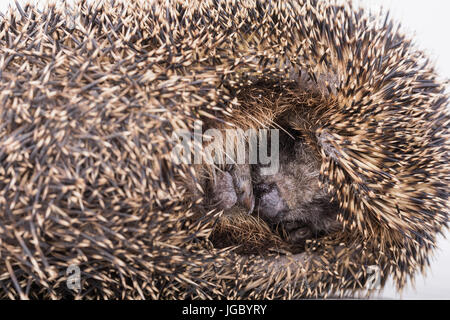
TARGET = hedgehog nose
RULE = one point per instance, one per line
(270, 203)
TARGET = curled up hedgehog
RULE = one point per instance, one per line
(92, 95)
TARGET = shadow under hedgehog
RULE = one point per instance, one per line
(92, 94)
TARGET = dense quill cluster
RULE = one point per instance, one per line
(91, 94)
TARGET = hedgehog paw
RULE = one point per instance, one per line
(224, 194)
(234, 188)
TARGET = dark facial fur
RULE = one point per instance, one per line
(291, 198)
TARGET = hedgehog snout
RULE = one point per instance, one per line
(269, 203)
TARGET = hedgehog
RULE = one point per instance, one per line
(92, 94)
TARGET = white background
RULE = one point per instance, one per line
(429, 23)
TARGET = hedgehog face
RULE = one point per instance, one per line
(291, 200)
(294, 198)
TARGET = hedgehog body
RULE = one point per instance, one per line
(90, 96)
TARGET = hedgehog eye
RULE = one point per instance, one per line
(262, 188)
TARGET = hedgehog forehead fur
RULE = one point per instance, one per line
(91, 94)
